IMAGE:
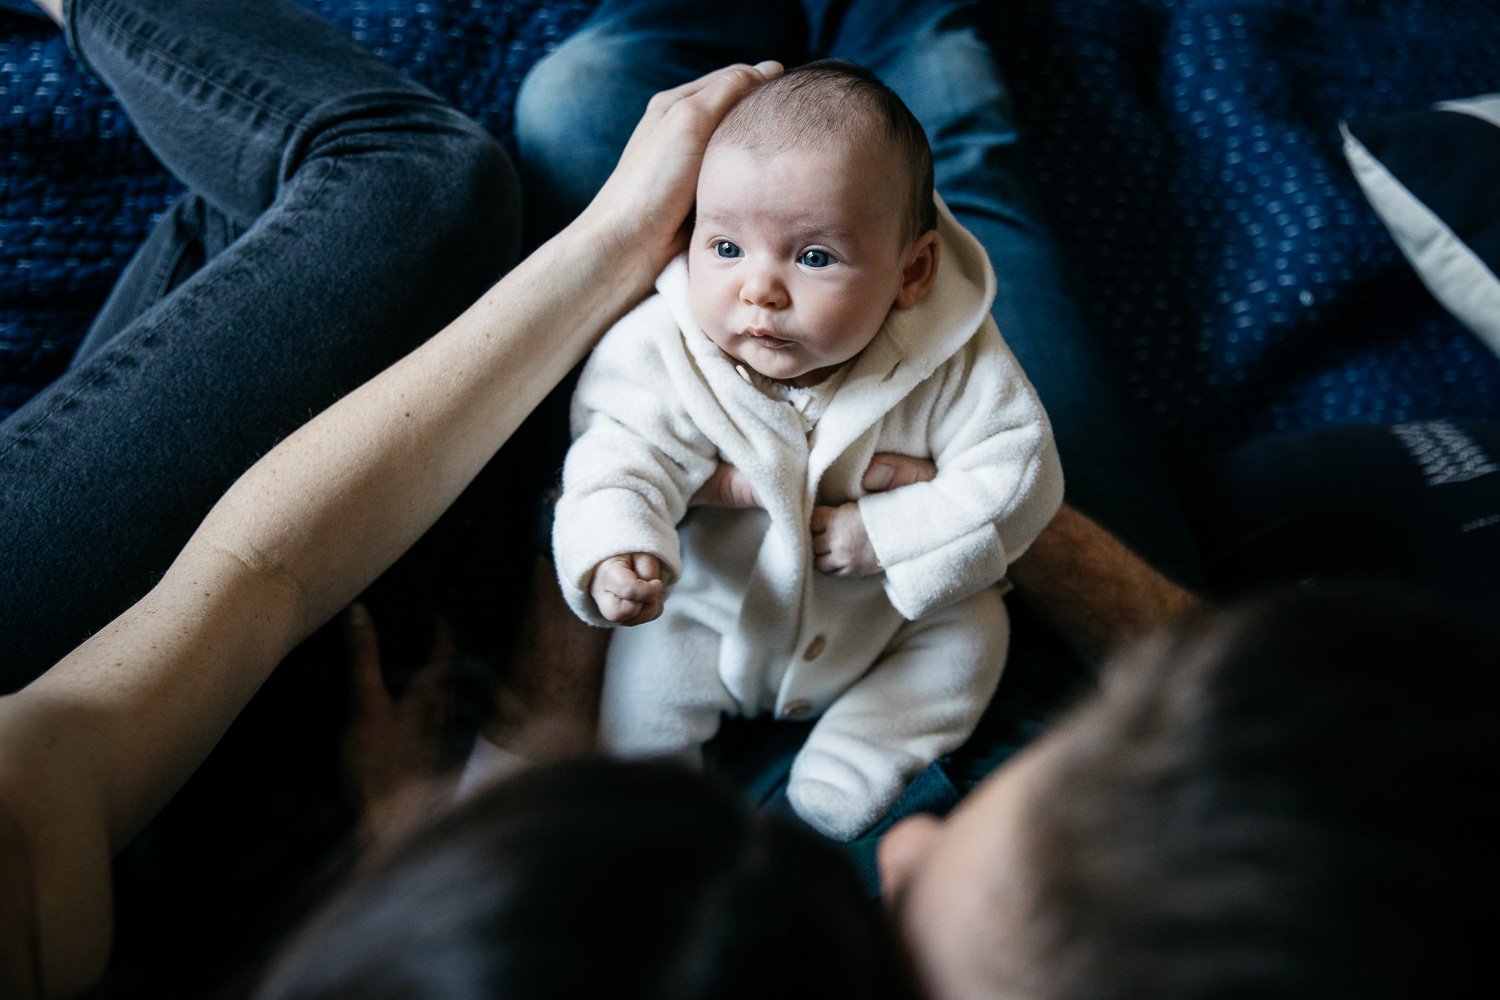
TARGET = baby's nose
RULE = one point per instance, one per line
(763, 287)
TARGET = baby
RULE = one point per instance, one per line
(808, 326)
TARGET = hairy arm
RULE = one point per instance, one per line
(94, 747)
(1094, 591)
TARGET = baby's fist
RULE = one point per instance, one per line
(841, 546)
(628, 589)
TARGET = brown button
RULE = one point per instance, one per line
(796, 709)
(815, 648)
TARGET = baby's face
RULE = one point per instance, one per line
(796, 257)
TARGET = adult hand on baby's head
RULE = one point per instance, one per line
(644, 203)
(841, 546)
(628, 588)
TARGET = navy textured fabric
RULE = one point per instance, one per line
(79, 190)
(1189, 153)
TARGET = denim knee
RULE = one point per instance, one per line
(474, 194)
(575, 111)
(424, 164)
(947, 74)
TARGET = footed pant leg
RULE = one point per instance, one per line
(935, 57)
(360, 214)
(921, 700)
(662, 693)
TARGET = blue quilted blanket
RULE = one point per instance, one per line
(1187, 150)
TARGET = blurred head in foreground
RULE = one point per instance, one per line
(595, 878)
(1291, 798)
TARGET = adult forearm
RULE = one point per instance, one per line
(1097, 592)
(92, 748)
(95, 746)
(341, 499)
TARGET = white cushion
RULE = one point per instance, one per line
(1433, 177)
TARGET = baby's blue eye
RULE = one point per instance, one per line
(724, 248)
(815, 258)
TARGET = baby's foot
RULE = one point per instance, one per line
(839, 800)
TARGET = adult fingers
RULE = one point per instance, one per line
(889, 471)
(719, 88)
(822, 543)
(727, 487)
(370, 692)
(821, 515)
(650, 192)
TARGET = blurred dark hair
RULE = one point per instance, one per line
(1294, 798)
(597, 879)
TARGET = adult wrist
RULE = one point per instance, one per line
(635, 253)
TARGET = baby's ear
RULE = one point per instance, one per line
(919, 270)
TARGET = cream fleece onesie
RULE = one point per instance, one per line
(899, 665)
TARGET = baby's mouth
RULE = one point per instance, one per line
(765, 338)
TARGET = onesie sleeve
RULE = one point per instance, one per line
(635, 461)
(998, 484)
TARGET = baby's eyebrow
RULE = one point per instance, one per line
(814, 229)
(700, 217)
(798, 229)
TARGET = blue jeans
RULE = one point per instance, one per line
(577, 107)
(337, 215)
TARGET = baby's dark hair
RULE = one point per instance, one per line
(832, 100)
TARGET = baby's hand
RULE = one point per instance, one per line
(628, 588)
(840, 543)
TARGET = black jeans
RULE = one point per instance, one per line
(338, 215)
